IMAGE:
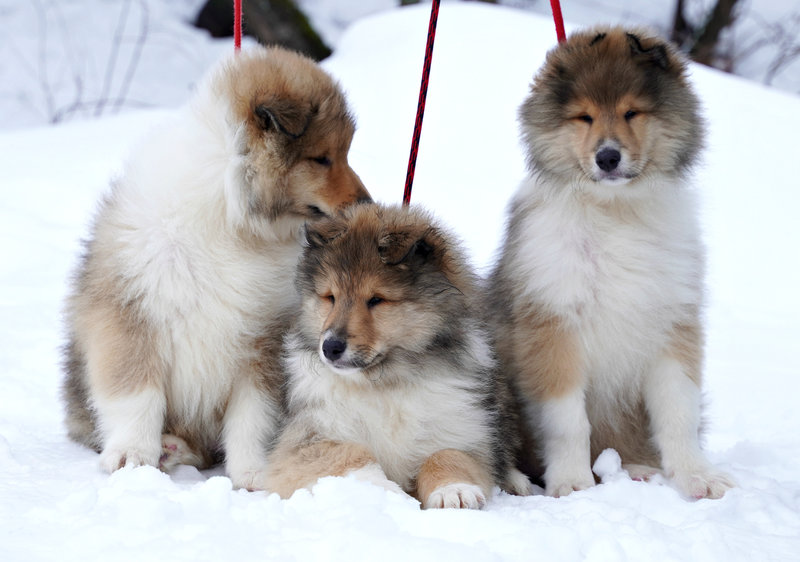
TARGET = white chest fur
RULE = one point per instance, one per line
(401, 425)
(205, 289)
(619, 273)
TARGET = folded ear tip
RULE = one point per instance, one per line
(398, 248)
(264, 117)
(284, 117)
(657, 54)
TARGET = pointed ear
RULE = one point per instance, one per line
(655, 54)
(407, 248)
(284, 116)
(323, 231)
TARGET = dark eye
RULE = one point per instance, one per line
(315, 211)
(586, 119)
(322, 160)
(630, 114)
(374, 301)
(329, 298)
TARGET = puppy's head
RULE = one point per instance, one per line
(293, 134)
(380, 284)
(609, 107)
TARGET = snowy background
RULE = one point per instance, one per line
(56, 505)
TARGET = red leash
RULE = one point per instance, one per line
(426, 72)
(558, 19)
(555, 6)
(237, 25)
(423, 93)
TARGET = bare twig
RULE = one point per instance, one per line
(43, 79)
(133, 62)
(88, 105)
(70, 50)
(112, 58)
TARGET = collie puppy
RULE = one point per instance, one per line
(179, 305)
(598, 292)
(390, 372)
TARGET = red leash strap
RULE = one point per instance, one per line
(558, 19)
(423, 93)
(237, 25)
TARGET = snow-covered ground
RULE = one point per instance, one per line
(56, 505)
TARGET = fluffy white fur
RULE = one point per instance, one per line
(611, 262)
(402, 425)
(176, 231)
(188, 277)
(599, 287)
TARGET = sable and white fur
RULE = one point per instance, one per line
(390, 373)
(598, 292)
(180, 303)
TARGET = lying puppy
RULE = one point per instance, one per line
(390, 374)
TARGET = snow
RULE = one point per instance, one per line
(56, 504)
(86, 58)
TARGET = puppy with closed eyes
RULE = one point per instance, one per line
(390, 373)
(597, 296)
(180, 303)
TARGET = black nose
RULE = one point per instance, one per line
(333, 348)
(608, 159)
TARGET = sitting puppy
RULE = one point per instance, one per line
(597, 295)
(178, 309)
(390, 374)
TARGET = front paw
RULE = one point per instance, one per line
(560, 484)
(114, 458)
(703, 482)
(251, 480)
(458, 495)
(374, 474)
(641, 472)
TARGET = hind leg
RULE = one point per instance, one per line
(452, 478)
(175, 451)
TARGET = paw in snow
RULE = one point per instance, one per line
(641, 472)
(458, 495)
(175, 451)
(518, 484)
(249, 479)
(114, 458)
(562, 484)
(703, 482)
(374, 474)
